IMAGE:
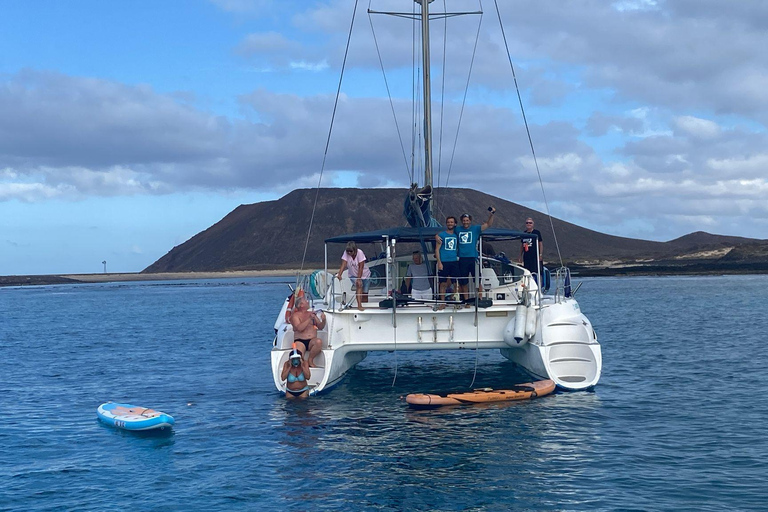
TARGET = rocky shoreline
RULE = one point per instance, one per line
(645, 269)
(136, 276)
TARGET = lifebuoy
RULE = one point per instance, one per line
(291, 302)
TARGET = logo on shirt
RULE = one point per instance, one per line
(465, 237)
(450, 244)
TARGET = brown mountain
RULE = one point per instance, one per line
(273, 234)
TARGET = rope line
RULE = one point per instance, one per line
(391, 103)
(442, 106)
(328, 140)
(466, 90)
(528, 132)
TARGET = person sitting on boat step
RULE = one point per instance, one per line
(446, 253)
(305, 326)
(354, 259)
(296, 376)
(417, 277)
(469, 236)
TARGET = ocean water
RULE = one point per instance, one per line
(678, 421)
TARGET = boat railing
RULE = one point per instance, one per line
(562, 284)
(388, 277)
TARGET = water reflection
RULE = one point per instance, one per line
(363, 430)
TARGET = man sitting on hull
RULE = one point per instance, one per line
(305, 326)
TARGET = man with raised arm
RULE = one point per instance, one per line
(469, 235)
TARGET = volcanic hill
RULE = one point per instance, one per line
(273, 235)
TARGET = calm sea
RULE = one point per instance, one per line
(678, 421)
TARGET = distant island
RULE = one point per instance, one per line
(270, 236)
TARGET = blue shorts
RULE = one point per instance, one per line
(366, 283)
(450, 270)
(467, 268)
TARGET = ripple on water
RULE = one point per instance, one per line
(676, 422)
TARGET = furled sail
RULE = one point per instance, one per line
(417, 210)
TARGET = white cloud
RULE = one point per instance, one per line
(697, 127)
(242, 6)
(309, 66)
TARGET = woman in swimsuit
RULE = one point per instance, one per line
(296, 374)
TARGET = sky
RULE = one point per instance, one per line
(128, 127)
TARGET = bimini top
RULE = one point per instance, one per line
(408, 234)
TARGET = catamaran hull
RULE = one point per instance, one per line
(335, 363)
(564, 349)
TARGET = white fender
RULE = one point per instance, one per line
(530, 322)
(514, 332)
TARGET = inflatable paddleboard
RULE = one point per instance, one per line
(477, 396)
(133, 417)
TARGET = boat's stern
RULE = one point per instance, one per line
(571, 352)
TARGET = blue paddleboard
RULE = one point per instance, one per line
(133, 417)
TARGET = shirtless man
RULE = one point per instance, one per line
(305, 326)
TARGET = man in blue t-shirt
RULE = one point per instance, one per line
(447, 256)
(469, 236)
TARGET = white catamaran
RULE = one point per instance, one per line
(541, 328)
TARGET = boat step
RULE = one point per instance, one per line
(572, 378)
(558, 324)
(570, 360)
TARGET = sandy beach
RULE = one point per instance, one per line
(166, 276)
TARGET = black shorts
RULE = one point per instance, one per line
(305, 342)
(467, 268)
(450, 270)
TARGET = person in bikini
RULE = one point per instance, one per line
(296, 375)
(305, 326)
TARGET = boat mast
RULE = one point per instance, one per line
(427, 94)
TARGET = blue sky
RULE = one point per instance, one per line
(128, 127)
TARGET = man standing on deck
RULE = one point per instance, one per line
(418, 274)
(469, 236)
(446, 253)
(528, 249)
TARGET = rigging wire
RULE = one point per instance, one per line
(442, 104)
(466, 90)
(389, 94)
(528, 131)
(328, 140)
(414, 86)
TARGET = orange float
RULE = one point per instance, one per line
(291, 302)
(525, 391)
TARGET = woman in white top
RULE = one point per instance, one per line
(354, 259)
